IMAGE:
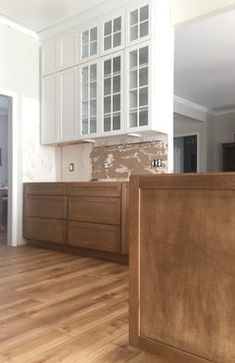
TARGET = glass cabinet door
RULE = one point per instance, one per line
(89, 43)
(139, 23)
(112, 33)
(139, 87)
(112, 84)
(89, 99)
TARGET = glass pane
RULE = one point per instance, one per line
(144, 13)
(85, 109)
(144, 29)
(93, 125)
(93, 90)
(107, 123)
(85, 127)
(133, 79)
(117, 24)
(93, 108)
(107, 86)
(117, 40)
(133, 99)
(133, 119)
(93, 48)
(85, 37)
(116, 103)
(143, 117)
(117, 121)
(116, 84)
(134, 18)
(133, 59)
(143, 96)
(108, 28)
(117, 65)
(143, 74)
(134, 33)
(93, 72)
(85, 92)
(108, 42)
(93, 34)
(107, 67)
(85, 75)
(143, 56)
(107, 104)
(85, 51)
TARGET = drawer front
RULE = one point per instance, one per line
(95, 210)
(95, 189)
(93, 236)
(45, 188)
(45, 206)
(48, 230)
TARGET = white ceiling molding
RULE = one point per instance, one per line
(229, 111)
(192, 110)
(12, 25)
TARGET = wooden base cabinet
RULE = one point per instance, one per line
(90, 216)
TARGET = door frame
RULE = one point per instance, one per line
(14, 182)
(198, 146)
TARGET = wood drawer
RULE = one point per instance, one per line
(94, 236)
(95, 209)
(48, 230)
(45, 206)
(104, 189)
(45, 188)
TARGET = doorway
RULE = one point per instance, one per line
(186, 154)
(4, 118)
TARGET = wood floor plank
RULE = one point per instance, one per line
(56, 307)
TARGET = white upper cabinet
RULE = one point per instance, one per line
(138, 62)
(49, 59)
(113, 34)
(49, 109)
(112, 93)
(68, 122)
(138, 24)
(88, 98)
(88, 43)
(68, 51)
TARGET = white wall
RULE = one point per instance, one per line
(222, 129)
(185, 125)
(186, 10)
(3, 146)
(19, 77)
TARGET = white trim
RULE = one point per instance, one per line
(198, 146)
(190, 109)
(19, 28)
(228, 111)
(14, 180)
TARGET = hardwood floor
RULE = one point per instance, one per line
(56, 307)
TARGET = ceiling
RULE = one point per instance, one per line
(205, 62)
(204, 51)
(38, 15)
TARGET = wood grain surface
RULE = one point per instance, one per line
(56, 307)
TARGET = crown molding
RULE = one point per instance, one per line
(19, 28)
(228, 111)
(191, 109)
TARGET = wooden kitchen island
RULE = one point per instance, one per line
(182, 267)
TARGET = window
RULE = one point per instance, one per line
(112, 94)
(139, 87)
(89, 99)
(89, 43)
(139, 23)
(113, 33)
